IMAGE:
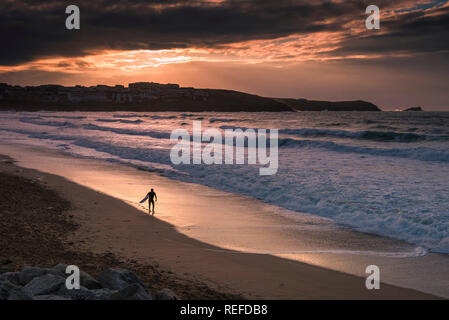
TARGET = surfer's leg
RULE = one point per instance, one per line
(152, 202)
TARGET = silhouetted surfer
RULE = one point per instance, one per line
(151, 196)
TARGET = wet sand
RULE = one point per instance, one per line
(107, 224)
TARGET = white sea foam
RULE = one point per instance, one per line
(416, 252)
(417, 153)
(38, 121)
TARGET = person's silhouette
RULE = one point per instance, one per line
(151, 196)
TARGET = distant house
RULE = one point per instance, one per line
(122, 97)
(148, 86)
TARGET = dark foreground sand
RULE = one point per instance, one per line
(45, 220)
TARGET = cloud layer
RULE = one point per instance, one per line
(33, 29)
(290, 48)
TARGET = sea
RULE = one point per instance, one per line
(385, 173)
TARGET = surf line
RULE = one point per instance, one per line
(189, 150)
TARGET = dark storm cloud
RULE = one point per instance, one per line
(412, 33)
(33, 28)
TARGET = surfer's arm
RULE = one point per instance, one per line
(155, 196)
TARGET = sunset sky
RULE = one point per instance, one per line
(281, 48)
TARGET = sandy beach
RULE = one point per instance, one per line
(109, 226)
(38, 228)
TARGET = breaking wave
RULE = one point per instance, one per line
(148, 133)
(38, 121)
(417, 153)
(383, 136)
(120, 121)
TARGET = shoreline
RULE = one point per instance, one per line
(37, 229)
(109, 224)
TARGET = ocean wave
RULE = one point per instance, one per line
(382, 136)
(38, 121)
(129, 116)
(213, 120)
(154, 134)
(135, 115)
(416, 252)
(418, 153)
(333, 124)
(162, 117)
(62, 117)
(184, 115)
(120, 121)
(384, 127)
(148, 133)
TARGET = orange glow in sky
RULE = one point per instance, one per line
(338, 54)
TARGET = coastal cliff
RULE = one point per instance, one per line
(414, 109)
(312, 105)
(151, 97)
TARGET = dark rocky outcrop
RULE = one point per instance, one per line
(50, 297)
(414, 109)
(13, 277)
(29, 273)
(311, 105)
(165, 294)
(43, 285)
(102, 294)
(132, 292)
(117, 279)
(34, 283)
(4, 269)
(10, 291)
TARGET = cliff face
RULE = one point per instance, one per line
(221, 101)
(311, 105)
